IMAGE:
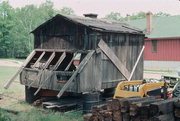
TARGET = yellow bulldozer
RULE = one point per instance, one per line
(140, 88)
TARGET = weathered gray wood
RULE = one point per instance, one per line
(162, 107)
(80, 67)
(67, 68)
(38, 60)
(6, 86)
(44, 67)
(165, 117)
(60, 60)
(132, 72)
(38, 76)
(62, 57)
(49, 60)
(62, 50)
(119, 65)
(42, 84)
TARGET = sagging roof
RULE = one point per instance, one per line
(103, 25)
(163, 27)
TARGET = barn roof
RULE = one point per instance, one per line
(163, 27)
(103, 25)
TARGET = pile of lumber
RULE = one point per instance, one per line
(136, 109)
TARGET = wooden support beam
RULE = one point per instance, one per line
(28, 59)
(44, 67)
(132, 72)
(162, 107)
(42, 84)
(80, 67)
(115, 60)
(67, 68)
(49, 60)
(62, 57)
(38, 60)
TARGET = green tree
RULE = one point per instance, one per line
(139, 15)
(67, 11)
(16, 25)
(6, 24)
(161, 14)
(114, 16)
(27, 19)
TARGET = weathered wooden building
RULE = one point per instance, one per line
(107, 50)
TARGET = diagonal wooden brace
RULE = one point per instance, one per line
(6, 86)
(80, 67)
(115, 60)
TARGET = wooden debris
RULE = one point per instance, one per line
(87, 117)
(137, 109)
(165, 117)
(162, 107)
(116, 115)
(177, 112)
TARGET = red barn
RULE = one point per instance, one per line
(162, 45)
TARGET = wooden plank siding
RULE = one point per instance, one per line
(99, 73)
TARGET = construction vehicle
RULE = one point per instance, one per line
(140, 88)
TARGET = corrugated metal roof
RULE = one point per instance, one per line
(163, 27)
(97, 24)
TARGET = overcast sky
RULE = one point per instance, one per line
(103, 7)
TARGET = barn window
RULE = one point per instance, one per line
(154, 46)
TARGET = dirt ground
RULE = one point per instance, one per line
(10, 63)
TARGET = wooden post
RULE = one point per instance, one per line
(38, 60)
(49, 60)
(6, 86)
(62, 57)
(132, 72)
(67, 68)
(80, 67)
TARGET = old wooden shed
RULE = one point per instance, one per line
(107, 51)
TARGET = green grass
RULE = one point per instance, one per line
(38, 114)
(27, 111)
(5, 74)
(13, 59)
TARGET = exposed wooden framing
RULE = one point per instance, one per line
(63, 50)
(110, 54)
(47, 63)
(80, 67)
(44, 67)
(62, 57)
(60, 60)
(49, 60)
(38, 60)
(67, 68)
(42, 84)
(85, 38)
(6, 86)
(134, 67)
